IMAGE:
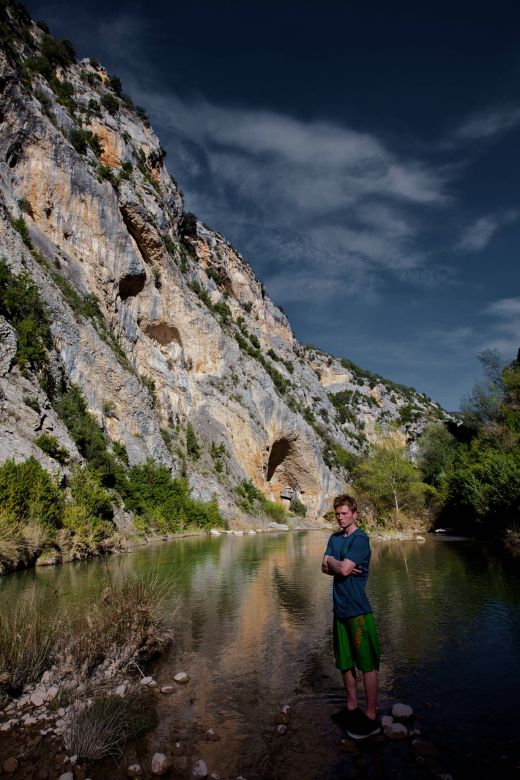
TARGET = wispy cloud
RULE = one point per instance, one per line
(477, 236)
(488, 124)
(320, 197)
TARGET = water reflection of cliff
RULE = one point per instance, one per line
(253, 622)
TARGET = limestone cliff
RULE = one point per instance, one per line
(179, 329)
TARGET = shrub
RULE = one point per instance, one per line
(64, 91)
(297, 508)
(274, 510)
(192, 444)
(111, 103)
(51, 446)
(166, 503)
(58, 52)
(29, 494)
(87, 435)
(21, 306)
(217, 452)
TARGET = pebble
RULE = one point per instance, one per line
(121, 690)
(145, 680)
(212, 736)
(214, 776)
(46, 677)
(402, 711)
(52, 692)
(166, 689)
(134, 770)
(182, 678)
(281, 728)
(178, 749)
(386, 720)
(160, 764)
(152, 684)
(67, 776)
(396, 731)
(10, 765)
(199, 770)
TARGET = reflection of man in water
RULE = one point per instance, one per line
(347, 559)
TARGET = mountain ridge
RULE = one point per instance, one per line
(158, 320)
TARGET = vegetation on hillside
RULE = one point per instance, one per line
(466, 477)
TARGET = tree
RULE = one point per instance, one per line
(390, 480)
(485, 400)
(436, 450)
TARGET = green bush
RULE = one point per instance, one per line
(29, 494)
(166, 503)
(21, 306)
(51, 446)
(111, 103)
(192, 444)
(274, 510)
(58, 52)
(87, 435)
(297, 508)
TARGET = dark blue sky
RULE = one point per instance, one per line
(364, 160)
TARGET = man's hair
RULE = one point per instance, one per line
(345, 500)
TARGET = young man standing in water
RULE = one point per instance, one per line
(347, 559)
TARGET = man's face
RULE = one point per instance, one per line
(345, 517)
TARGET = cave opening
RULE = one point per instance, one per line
(131, 285)
(279, 451)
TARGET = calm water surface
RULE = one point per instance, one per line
(253, 630)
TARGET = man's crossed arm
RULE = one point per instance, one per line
(330, 565)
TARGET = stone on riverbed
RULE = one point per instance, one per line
(386, 720)
(145, 680)
(160, 764)
(212, 736)
(182, 678)
(396, 731)
(199, 770)
(10, 765)
(166, 689)
(402, 711)
(134, 770)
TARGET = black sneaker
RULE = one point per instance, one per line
(345, 717)
(363, 727)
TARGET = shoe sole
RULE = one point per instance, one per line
(375, 730)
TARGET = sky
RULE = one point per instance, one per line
(364, 159)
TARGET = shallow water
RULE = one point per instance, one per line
(253, 630)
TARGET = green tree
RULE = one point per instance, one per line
(436, 451)
(390, 480)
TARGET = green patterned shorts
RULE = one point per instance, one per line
(356, 643)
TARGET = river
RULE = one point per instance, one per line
(253, 631)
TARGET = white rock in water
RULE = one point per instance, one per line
(420, 539)
(386, 720)
(396, 731)
(145, 680)
(252, 532)
(134, 770)
(167, 689)
(238, 533)
(67, 776)
(402, 711)
(160, 764)
(215, 532)
(281, 729)
(182, 678)
(199, 770)
(214, 776)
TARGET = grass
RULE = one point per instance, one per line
(28, 643)
(102, 729)
(129, 624)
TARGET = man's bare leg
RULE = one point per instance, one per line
(370, 680)
(349, 681)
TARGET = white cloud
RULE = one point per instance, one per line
(478, 235)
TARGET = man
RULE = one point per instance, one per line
(356, 644)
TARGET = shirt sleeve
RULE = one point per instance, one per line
(358, 550)
(328, 551)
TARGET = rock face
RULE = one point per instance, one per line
(178, 328)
